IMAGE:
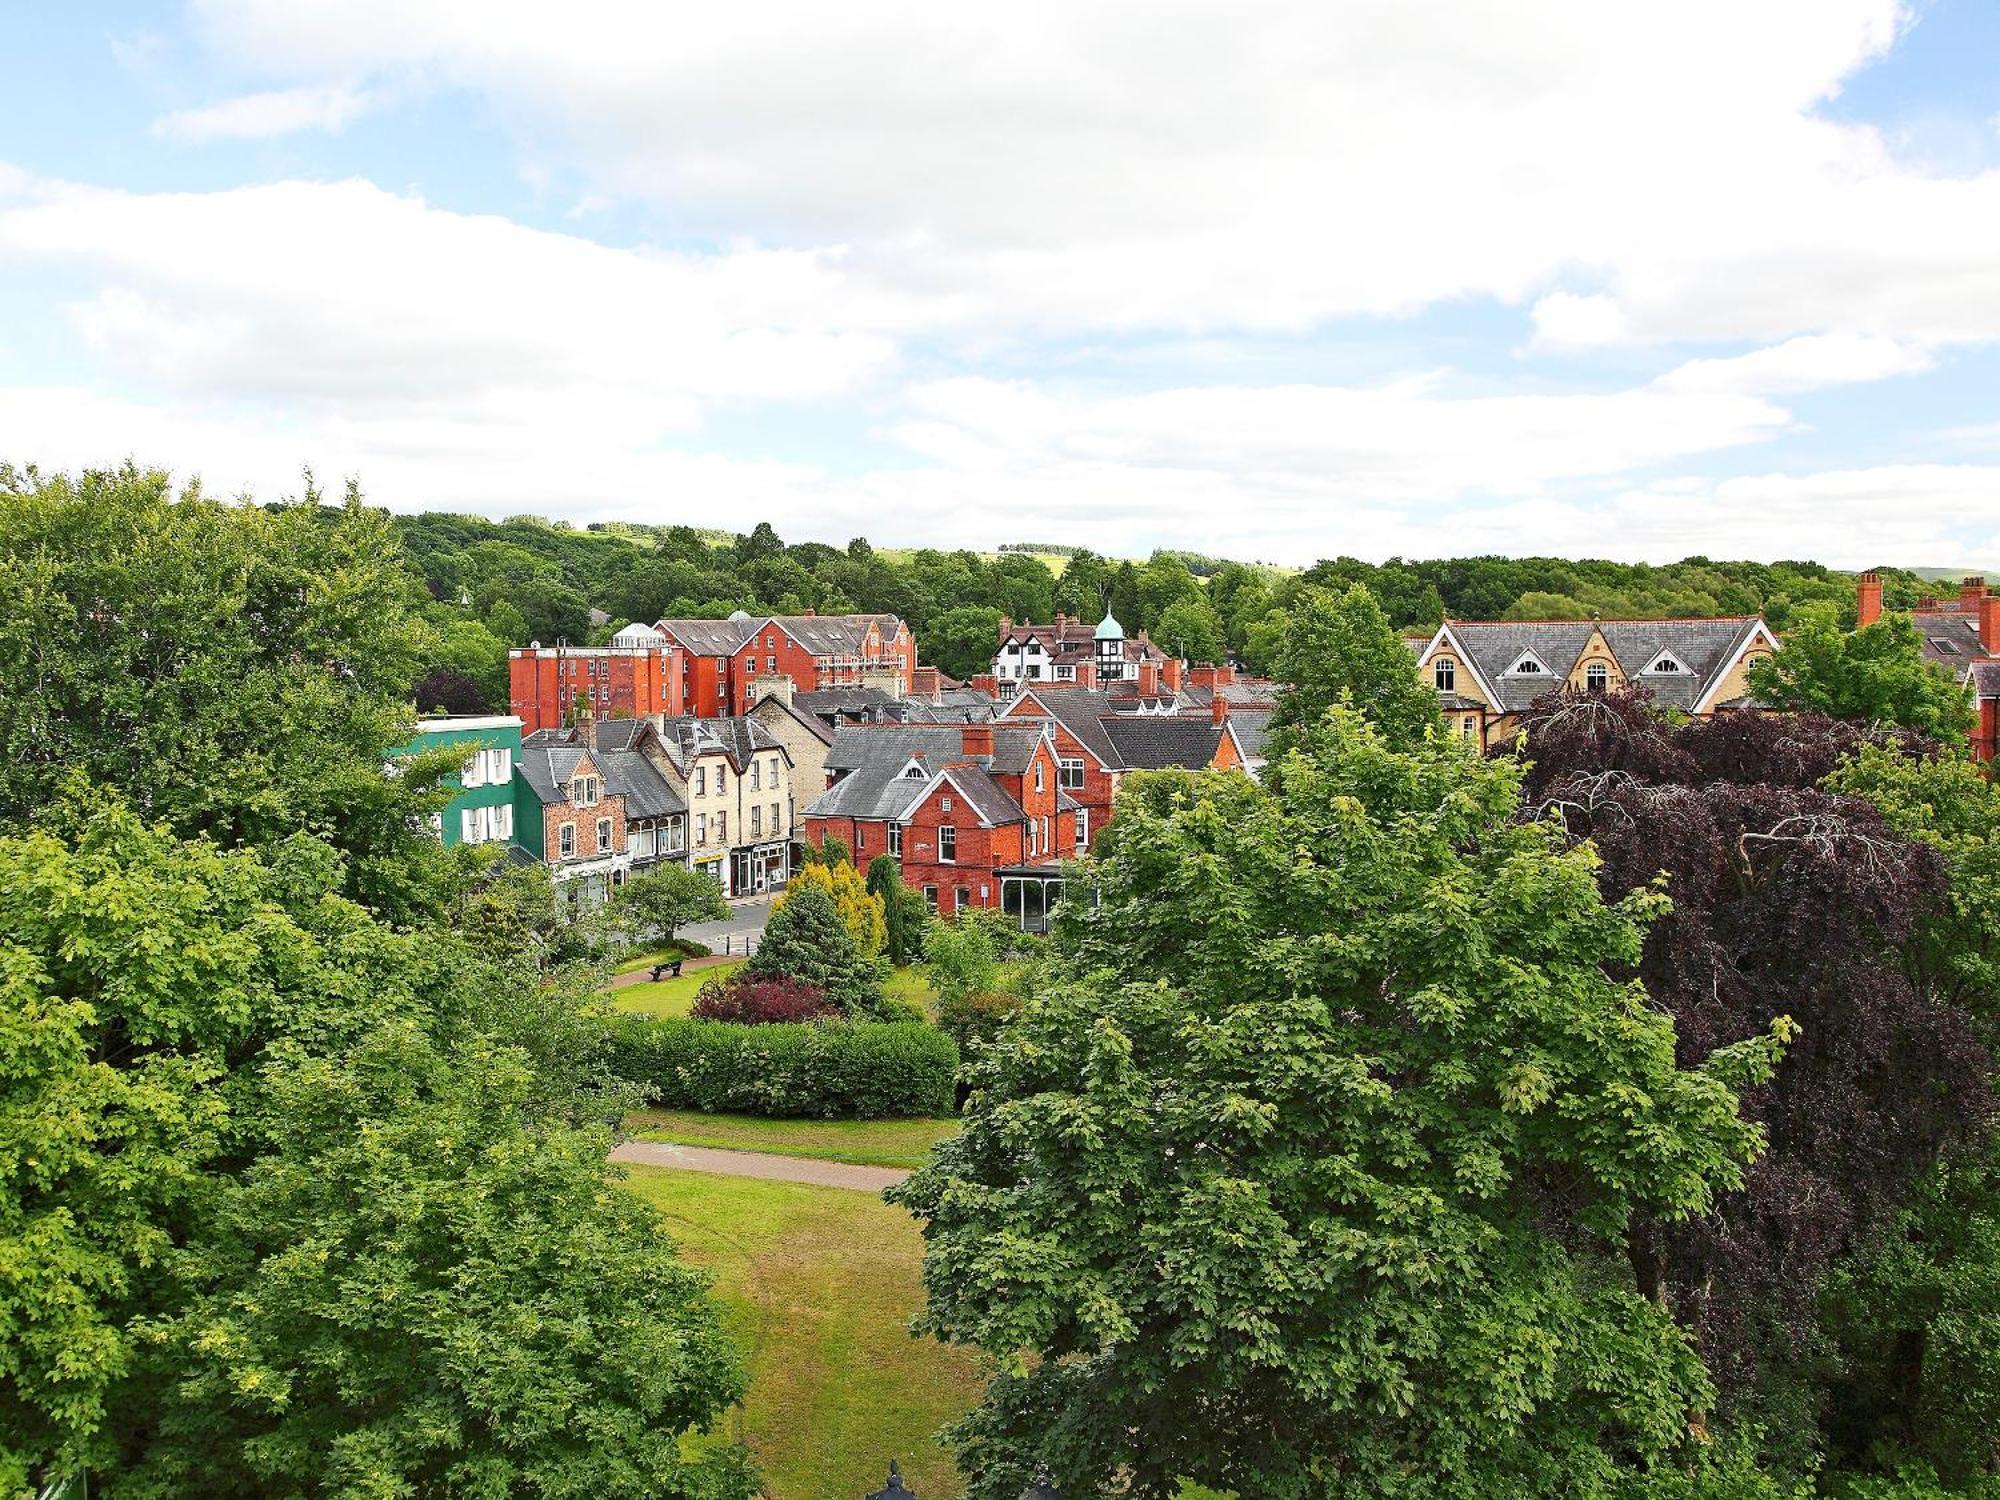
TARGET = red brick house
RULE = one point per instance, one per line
(1963, 636)
(726, 657)
(637, 676)
(1099, 738)
(971, 812)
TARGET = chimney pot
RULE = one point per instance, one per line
(1970, 592)
(1868, 599)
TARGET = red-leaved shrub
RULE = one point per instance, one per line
(753, 1001)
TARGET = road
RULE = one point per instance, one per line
(757, 1164)
(745, 920)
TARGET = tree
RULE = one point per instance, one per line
(961, 957)
(1791, 896)
(805, 938)
(1311, 1164)
(1190, 629)
(1339, 648)
(1164, 582)
(962, 641)
(295, 1200)
(1876, 675)
(860, 908)
(660, 902)
(442, 690)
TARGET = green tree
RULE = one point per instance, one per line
(298, 1202)
(1192, 630)
(805, 938)
(1308, 1168)
(1331, 649)
(1876, 674)
(961, 957)
(962, 640)
(660, 902)
(905, 917)
(1164, 582)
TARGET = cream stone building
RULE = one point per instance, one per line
(1487, 672)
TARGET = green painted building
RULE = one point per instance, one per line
(482, 812)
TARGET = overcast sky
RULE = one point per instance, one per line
(1269, 279)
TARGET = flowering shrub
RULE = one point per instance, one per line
(761, 1000)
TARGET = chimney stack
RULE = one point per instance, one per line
(1173, 673)
(1970, 592)
(776, 685)
(976, 739)
(586, 728)
(1149, 679)
(1868, 599)
(1218, 709)
(1989, 624)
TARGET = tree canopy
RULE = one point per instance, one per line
(1876, 675)
(1312, 1163)
(1340, 649)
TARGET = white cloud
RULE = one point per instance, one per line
(1801, 364)
(1655, 171)
(271, 113)
(342, 297)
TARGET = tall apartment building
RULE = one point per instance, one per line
(638, 676)
(725, 657)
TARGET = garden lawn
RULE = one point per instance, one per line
(868, 1143)
(818, 1286)
(668, 997)
(908, 983)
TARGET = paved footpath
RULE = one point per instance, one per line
(691, 966)
(757, 1164)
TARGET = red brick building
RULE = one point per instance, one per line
(1079, 655)
(1961, 635)
(726, 657)
(1099, 738)
(637, 676)
(971, 812)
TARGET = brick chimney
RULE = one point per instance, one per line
(1970, 592)
(1172, 673)
(1868, 599)
(586, 728)
(1149, 679)
(1989, 624)
(976, 739)
(1927, 604)
(811, 613)
(1218, 709)
(984, 682)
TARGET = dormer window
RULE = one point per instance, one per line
(1666, 664)
(1527, 664)
(913, 770)
(1445, 674)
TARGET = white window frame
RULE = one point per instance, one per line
(896, 839)
(603, 835)
(1070, 774)
(566, 841)
(1083, 828)
(947, 844)
(1444, 674)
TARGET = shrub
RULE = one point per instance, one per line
(752, 1000)
(979, 1014)
(805, 938)
(825, 1070)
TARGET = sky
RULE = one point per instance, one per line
(1272, 279)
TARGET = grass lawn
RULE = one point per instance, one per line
(869, 1143)
(908, 983)
(668, 997)
(818, 1287)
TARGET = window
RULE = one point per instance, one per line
(603, 835)
(470, 822)
(944, 804)
(961, 898)
(585, 789)
(722, 828)
(1048, 843)
(1082, 828)
(947, 845)
(773, 773)
(770, 664)
(1065, 674)
(1469, 727)
(701, 830)
(566, 841)
(1445, 674)
(770, 640)
(756, 777)
(1665, 665)
(896, 839)
(676, 837)
(1527, 666)
(1031, 838)
(778, 823)
(756, 821)
(1038, 775)
(1069, 775)
(700, 781)
(930, 897)
(1596, 677)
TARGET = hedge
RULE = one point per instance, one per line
(862, 1070)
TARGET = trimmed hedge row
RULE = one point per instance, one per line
(862, 1070)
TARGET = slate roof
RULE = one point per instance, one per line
(739, 737)
(869, 760)
(835, 635)
(647, 793)
(1151, 742)
(1706, 648)
(710, 637)
(548, 766)
(812, 722)
(1082, 711)
(842, 702)
(1951, 638)
(986, 796)
(1251, 726)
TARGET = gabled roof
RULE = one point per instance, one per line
(1707, 648)
(835, 635)
(548, 765)
(812, 722)
(739, 737)
(1082, 711)
(1152, 742)
(982, 794)
(841, 702)
(647, 793)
